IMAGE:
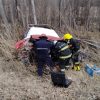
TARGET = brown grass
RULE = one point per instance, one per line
(18, 83)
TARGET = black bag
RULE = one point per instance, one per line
(59, 79)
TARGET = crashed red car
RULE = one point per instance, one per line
(24, 47)
(36, 32)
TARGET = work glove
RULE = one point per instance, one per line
(76, 67)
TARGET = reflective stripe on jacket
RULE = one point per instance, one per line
(65, 57)
(63, 50)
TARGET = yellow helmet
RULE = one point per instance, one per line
(67, 36)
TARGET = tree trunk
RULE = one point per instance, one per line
(3, 15)
(33, 10)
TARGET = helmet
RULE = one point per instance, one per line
(67, 36)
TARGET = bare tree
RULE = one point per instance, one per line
(58, 13)
(3, 13)
(33, 10)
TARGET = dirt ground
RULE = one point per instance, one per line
(18, 83)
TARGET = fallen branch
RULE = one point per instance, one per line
(91, 43)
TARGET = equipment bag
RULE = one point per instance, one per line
(59, 79)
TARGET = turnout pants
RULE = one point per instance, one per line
(75, 58)
(63, 63)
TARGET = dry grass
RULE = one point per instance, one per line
(18, 83)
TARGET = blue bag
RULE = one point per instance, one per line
(92, 70)
(89, 70)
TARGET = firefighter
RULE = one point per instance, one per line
(43, 47)
(74, 47)
(63, 54)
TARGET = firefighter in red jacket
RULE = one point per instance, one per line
(74, 47)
